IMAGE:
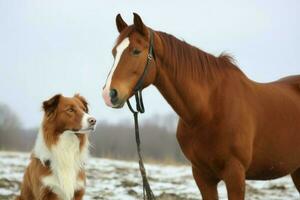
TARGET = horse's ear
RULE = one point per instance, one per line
(121, 24)
(50, 105)
(139, 25)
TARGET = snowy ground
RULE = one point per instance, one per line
(120, 180)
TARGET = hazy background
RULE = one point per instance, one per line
(49, 47)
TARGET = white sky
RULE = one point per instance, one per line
(49, 47)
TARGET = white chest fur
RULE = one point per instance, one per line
(66, 161)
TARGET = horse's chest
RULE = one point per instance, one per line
(206, 149)
(201, 147)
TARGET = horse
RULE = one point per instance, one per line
(230, 128)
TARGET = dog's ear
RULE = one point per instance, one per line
(84, 102)
(50, 105)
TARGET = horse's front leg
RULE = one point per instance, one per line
(234, 178)
(206, 184)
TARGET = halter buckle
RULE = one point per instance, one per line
(150, 56)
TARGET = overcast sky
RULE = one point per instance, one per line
(49, 47)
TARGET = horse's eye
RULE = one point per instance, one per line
(135, 52)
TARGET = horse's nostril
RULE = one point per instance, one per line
(113, 94)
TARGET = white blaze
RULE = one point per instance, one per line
(120, 49)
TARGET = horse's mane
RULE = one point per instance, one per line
(185, 60)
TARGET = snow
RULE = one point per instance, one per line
(115, 180)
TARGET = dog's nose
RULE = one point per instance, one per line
(113, 93)
(92, 121)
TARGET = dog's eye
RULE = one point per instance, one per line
(136, 52)
(71, 110)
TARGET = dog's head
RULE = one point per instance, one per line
(68, 113)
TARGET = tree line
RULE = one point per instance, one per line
(116, 141)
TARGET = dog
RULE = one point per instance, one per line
(56, 169)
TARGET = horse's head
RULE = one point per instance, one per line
(131, 53)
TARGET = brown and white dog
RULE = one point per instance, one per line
(56, 168)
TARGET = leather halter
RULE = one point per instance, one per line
(138, 87)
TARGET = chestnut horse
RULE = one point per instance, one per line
(230, 128)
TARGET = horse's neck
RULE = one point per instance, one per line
(191, 99)
(188, 99)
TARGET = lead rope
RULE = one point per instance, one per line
(147, 192)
